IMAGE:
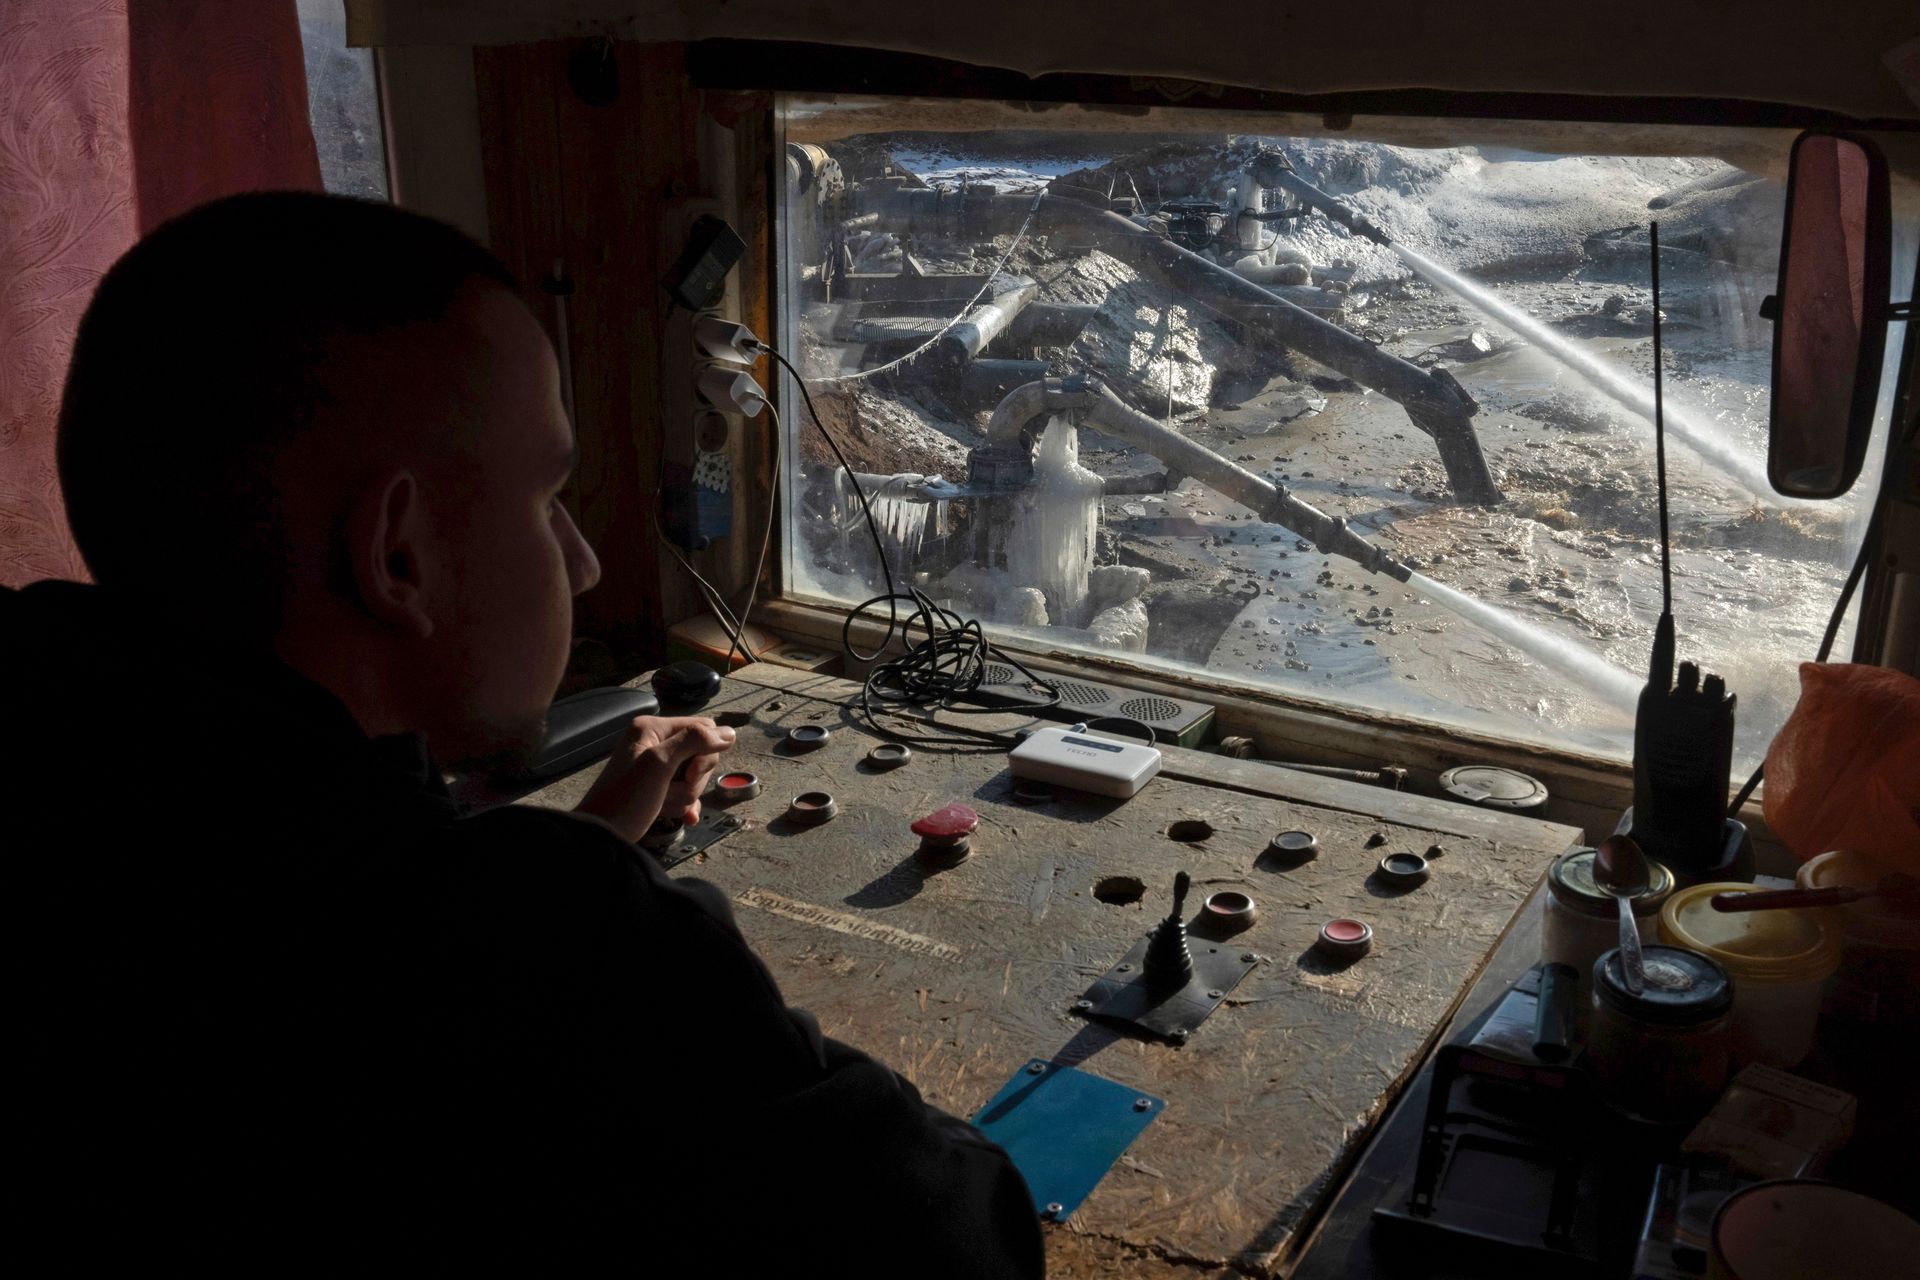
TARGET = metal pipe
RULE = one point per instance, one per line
(968, 340)
(1025, 403)
(985, 214)
(1435, 402)
(1273, 503)
(1387, 776)
(986, 381)
(805, 163)
(1051, 324)
(1314, 197)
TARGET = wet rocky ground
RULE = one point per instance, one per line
(1573, 548)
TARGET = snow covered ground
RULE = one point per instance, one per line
(1572, 551)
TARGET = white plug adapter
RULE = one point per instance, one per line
(731, 390)
(720, 339)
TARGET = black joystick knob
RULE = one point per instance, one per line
(1169, 963)
(685, 684)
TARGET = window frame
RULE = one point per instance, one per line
(1587, 789)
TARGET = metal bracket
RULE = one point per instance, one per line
(703, 835)
(1063, 1129)
(1122, 995)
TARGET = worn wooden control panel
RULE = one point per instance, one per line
(958, 975)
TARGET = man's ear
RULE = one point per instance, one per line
(386, 545)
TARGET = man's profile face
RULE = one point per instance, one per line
(512, 559)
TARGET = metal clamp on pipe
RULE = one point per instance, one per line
(1330, 534)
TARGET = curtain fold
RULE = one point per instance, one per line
(114, 117)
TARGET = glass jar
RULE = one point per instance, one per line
(1779, 961)
(1663, 1055)
(1879, 979)
(1583, 920)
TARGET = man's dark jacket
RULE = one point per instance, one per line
(281, 1006)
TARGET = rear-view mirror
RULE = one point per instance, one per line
(1830, 315)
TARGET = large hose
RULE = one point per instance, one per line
(1103, 409)
(1313, 197)
(1436, 404)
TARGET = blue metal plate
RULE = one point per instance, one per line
(1064, 1129)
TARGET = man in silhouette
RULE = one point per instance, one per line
(284, 1005)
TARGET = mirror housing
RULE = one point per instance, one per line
(1830, 315)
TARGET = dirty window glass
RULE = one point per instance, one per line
(1352, 420)
(343, 104)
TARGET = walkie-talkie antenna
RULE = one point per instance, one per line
(1660, 665)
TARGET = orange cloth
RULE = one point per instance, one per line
(1844, 771)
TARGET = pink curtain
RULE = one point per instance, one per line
(114, 117)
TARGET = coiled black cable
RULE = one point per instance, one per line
(950, 660)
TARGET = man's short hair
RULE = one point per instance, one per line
(200, 358)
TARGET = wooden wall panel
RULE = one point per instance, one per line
(748, 119)
(582, 183)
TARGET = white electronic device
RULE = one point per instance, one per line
(1075, 758)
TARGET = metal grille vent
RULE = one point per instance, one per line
(1082, 695)
(1003, 687)
(1150, 709)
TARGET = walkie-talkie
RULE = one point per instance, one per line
(1682, 762)
(1682, 733)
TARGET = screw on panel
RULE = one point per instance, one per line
(1143, 1104)
(1213, 995)
(1248, 957)
(1124, 968)
(1182, 1034)
(1035, 1068)
(1083, 1004)
(1055, 1210)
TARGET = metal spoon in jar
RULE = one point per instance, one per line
(1620, 868)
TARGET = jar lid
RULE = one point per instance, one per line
(1492, 787)
(1683, 988)
(1753, 946)
(1570, 881)
(1880, 921)
(1794, 1227)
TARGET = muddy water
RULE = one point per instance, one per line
(1604, 376)
(1571, 559)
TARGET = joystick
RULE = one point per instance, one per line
(1169, 962)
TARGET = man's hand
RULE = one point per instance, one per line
(661, 768)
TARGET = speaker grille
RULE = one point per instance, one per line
(1001, 673)
(1081, 695)
(1149, 709)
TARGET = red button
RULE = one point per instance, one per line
(947, 824)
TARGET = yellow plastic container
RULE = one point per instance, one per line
(1779, 961)
(1879, 978)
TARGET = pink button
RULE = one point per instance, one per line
(950, 823)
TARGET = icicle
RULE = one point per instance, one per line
(1051, 545)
